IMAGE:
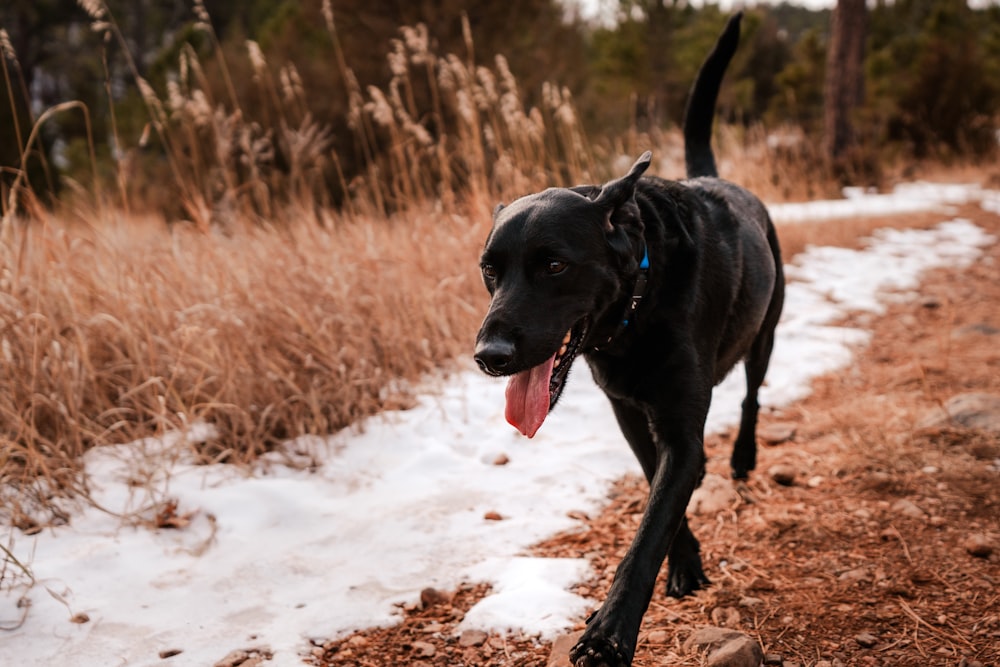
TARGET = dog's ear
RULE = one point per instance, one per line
(616, 196)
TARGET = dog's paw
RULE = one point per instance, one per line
(598, 654)
(686, 579)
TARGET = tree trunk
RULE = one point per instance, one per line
(845, 80)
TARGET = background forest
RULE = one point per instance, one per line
(264, 100)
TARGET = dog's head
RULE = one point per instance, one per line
(554, 263)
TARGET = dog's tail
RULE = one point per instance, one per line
(700, 111)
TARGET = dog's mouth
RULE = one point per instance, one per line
(532, 393)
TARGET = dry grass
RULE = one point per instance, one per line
(134, 329)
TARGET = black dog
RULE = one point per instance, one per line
(663, 286)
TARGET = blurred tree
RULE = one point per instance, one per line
(844, 82)
(799, 86)
(935, 70)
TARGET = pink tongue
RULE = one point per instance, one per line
(528, 398)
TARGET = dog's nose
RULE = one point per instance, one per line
(494, 356)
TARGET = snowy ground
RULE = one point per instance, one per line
(292, 553)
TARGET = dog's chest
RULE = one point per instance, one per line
(619, 378)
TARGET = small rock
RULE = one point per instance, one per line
(866, 639)
(815, 481)
(741, 651)
(773, 659)
(726, 617)
(424, 649)
(777, 433)
(979, 545)
(357, 640)
(908, 508)
(493, 516)
(470, 638)
(782, 473)
(854, 576)
(980, 329)
(431, 597)
(984, 451)
(233, 659)
(761, 584)
(709, 639)
(972, 410)
(889, 534)
(501, 460)
(930, 302)
(559, 655)
(80, 618)
(658, 637)
(169, 653)
(878, 480)
(713, 496)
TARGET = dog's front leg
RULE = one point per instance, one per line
(610, 638)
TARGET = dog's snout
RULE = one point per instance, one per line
(494, 356)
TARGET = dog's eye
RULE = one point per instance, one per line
(489, 271)
(555, 266)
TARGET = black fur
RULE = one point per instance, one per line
(568, 260)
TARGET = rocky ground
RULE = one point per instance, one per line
(869, 534)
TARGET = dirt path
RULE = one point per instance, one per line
(884, 548)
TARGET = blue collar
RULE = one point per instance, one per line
(637, 293)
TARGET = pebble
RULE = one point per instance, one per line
(908, 508)
(741, 651)
(773, 659)
(726, 617)
(470, 638)
(854, 576)
(713, 496)
(782, 473)
(431, 597)
(777, 433)
(725, 648)
(709, 638)
(979, 545)
(424, 649)
(866, 639)
(971, 410)
(501, 460)
(658, 637)
(878, 480)
(493, 516)
(762, 584)
(559, 655)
